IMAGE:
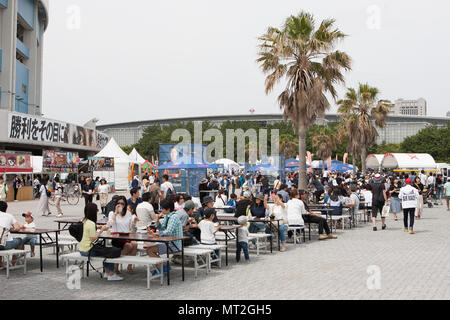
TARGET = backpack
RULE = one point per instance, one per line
(171, 195)
(76, 231)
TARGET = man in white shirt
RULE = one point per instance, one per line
(409, 196)
(430, 181)
(145, 212)
(166, 186)
(423, 178)
(7, 224)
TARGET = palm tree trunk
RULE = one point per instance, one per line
(302, 184)
(363, 160)
(354, 163)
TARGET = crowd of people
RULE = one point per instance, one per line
(154, 207)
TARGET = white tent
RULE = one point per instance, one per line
(228, 164)
(121, 164)
(135, 157)
(408, 161)
(373, 161)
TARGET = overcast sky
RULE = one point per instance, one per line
(140, 60)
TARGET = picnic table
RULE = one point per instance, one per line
(149, 238)
(68, 222)
(229, 230)
(264, 220)
(43, 241)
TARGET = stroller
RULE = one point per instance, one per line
(428, 196)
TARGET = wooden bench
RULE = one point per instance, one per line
(8, 255)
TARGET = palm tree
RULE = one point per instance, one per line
(347, 130)
(325, 142)
(304, 56)
(364, 109)
(288, 146)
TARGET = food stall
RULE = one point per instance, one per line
(20, 165)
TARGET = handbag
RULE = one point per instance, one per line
(385, 211)
(106, 252)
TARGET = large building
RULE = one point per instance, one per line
(22, 127)
(397, 129)
(410, 107)
(22, 25)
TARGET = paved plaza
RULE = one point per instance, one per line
(412, 267)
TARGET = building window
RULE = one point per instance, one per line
(24, 89)
(20, 32)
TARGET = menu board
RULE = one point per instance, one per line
(11, 163)
(60, 162)
(101, 164)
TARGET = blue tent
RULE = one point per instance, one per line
(340, 167)
(293, 163)
(187, 162)
(264, 167)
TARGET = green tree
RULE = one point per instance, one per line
(432, 140)
(325, 143)
(361, 108)
(304, 56)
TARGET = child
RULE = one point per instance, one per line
(243, 239)
(207, 228)
(132, 209)
(231, 203)
(29, 225)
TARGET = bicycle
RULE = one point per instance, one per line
(71, 196)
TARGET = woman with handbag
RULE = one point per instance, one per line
(87, 248)
(43, 200)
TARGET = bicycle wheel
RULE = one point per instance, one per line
(73, 199)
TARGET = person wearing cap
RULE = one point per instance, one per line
(379, 198)
(409, 196)
(208, 203)
(88, 190)
(185, 213)
(29, 225)
(243, 239)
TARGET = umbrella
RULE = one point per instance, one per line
(187, 162)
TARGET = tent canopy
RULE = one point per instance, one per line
(228, 164)
(264, 167)
(293, 163)
(112, 150)
(135, 157)
(187, 162)
(341, 167)
(373, 161)
(408, 161)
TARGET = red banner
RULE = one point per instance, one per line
(11, 163)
